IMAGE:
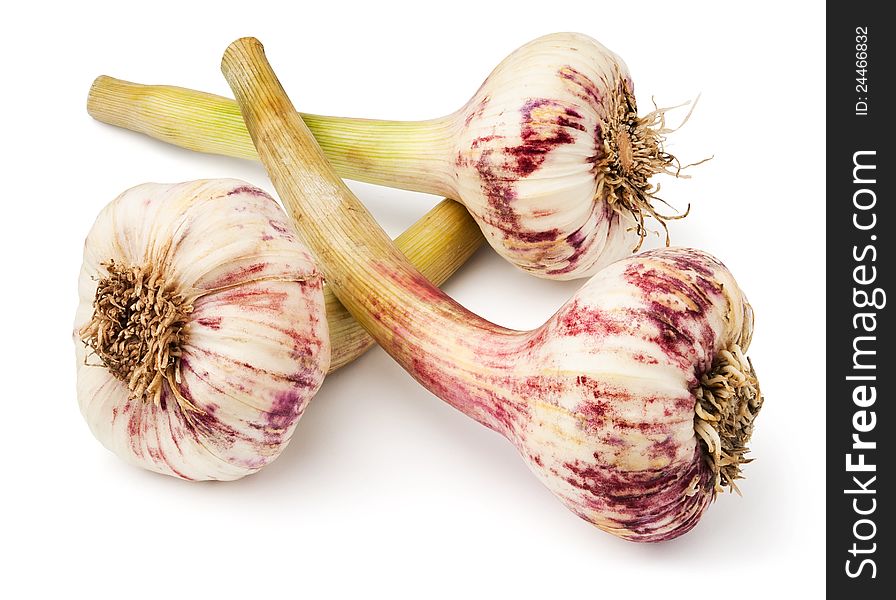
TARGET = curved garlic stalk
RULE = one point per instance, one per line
(549, 156)
(438, 244)
(601, 401)
(200, 333)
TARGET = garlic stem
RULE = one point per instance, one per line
(437, 244)
(411, 155)
(365, 270)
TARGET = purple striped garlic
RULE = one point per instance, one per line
(201, 332)
(633, 404)
(554, 162)
(549, 156)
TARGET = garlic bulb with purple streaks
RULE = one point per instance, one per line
(554, 161)
(633, 404)
(201, 332)
(549, 156)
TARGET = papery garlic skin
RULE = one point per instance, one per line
(256, 344)
(531, 154)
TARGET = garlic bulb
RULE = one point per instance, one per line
(549, 156)
(553, 159)
(633, 404)
(200, 334)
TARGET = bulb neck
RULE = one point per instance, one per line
(410, 155)
(465, 360)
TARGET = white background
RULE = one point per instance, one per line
(385, 491)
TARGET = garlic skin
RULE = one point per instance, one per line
(251, 345)
(650, 335)
(552, 160)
